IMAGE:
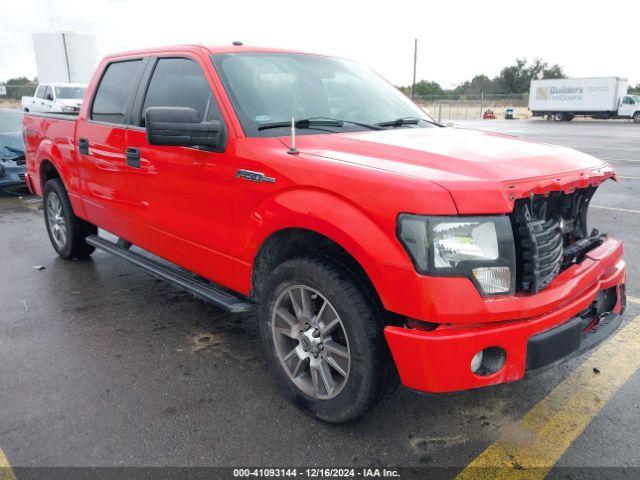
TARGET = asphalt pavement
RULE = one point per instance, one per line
(103, 365)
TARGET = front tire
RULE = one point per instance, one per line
(66, 231)
(636, 117)
(323, 337)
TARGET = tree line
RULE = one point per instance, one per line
(512, 79)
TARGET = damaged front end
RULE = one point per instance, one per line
(550, 232)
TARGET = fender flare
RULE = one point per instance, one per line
(347, 225)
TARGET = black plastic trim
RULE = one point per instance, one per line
(568, 340)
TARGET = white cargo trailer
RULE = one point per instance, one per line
(597, 97)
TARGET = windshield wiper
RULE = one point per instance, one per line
(360, 124)
(399, 122)
(305, 123)
(318, 122)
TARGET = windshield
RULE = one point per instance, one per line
(70, 92)
(274, 87)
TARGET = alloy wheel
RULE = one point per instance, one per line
(56, 220)
(311, 342)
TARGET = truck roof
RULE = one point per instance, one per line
(212, 49)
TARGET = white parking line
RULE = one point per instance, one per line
(624, 160)
(578, 147)
(629, 178)
(626, 210)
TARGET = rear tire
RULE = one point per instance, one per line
(66, 231)
(353, 368)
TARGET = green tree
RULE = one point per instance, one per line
(19, 86)
(535, 70)
(514, 78)
(477, 85)
(554, 71)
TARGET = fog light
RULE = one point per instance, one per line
(488, 361)
(476, 361)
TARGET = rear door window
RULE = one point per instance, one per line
(113, 98)
(180, 82)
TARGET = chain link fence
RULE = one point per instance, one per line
(10, 95)
(472, 107)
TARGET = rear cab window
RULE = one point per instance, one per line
(112, 100)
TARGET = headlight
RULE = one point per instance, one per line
(480, 248)
(67, 108)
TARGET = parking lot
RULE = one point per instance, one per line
(102, 365)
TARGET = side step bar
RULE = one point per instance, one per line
(200, 288)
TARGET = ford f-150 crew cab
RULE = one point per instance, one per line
(376, 244)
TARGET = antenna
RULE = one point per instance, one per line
(292, 146)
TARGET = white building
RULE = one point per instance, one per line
(65, 57)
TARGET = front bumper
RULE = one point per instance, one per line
(439, 360)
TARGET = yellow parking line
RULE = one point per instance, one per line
(530, 448)
(6, 472)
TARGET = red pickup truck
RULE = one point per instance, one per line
(376, 243)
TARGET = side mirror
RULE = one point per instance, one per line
(181, 126)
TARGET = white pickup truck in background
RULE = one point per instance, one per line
(55, 97)
(596, 97)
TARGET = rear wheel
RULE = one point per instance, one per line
(559, 117)
(323, 338)
(66, 231)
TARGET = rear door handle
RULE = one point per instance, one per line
(83, 146)
(133, 157)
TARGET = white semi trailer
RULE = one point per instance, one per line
(562, 99)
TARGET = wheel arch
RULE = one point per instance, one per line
(290, 243)
(302, 222)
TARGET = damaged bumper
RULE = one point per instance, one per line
(440, 360)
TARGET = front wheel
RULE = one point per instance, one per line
(636, 117)
(323, 338)
(66, 231)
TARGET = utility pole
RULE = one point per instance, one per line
(415, 62)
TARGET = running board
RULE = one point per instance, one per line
(200, 288)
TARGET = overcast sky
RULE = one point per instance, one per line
(458, 39)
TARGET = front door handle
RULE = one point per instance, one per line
(83, 146)
(133, 157)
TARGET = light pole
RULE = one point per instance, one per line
(415, 62)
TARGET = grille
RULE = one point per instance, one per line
(550, 232)
(21, 176)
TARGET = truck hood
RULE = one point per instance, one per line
(484, 172)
